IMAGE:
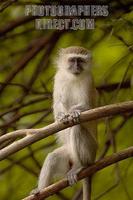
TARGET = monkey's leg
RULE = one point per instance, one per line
(72, 174)
(56, 163)
(87, 188)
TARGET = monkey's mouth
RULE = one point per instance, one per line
(75, 70)
(76, 73)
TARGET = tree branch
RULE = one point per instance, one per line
(113, 86)
(107, 161)
(14, 24)
(6, 5)
(28, 56)
(33, 135)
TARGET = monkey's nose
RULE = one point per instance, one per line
(78, 68)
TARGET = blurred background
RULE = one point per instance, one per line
(26, 83)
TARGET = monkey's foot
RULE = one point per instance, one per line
(72, 177)
(35, 192)
(62, 117)
(74, 116)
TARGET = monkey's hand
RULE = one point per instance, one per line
(62, 117)
(74, 116)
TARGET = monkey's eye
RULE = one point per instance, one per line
(80, 60)
(71, 60)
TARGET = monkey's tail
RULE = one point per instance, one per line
(87, 188)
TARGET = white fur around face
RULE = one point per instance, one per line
(70, 55)
(62, 62)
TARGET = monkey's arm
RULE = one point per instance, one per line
(77, 109)
(80, 107)
(60, 112)
(58, 108)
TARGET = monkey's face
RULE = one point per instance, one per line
(76, 65)
(74, 60)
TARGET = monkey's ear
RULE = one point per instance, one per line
(89, 54)
(60, 51)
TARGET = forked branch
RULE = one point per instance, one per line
(33, 135)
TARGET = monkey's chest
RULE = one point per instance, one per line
(74, 94)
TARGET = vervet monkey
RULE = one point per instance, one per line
(74, 92)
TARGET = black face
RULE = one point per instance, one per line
(76, 65)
